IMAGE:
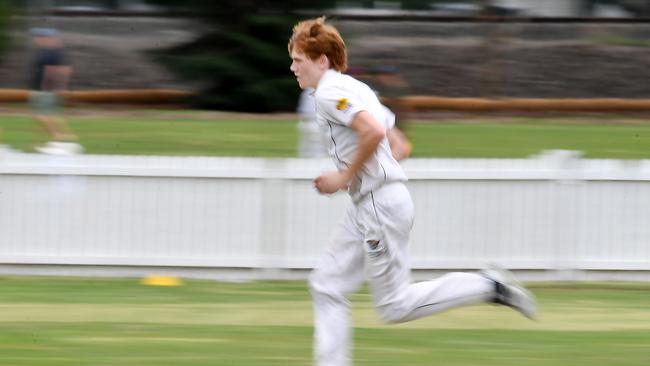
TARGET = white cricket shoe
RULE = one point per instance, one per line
(60, 148)
(509, 292)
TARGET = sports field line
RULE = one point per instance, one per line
(299, 313)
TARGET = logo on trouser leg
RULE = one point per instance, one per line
(375, 247)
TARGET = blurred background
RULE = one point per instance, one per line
(168, 140)
(530, 49)
(498, 97)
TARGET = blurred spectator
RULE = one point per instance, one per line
(310, 140)
(51, 74)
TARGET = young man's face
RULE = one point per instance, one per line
(308, 72)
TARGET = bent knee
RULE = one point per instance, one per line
(320, 286)
(393, 314)
(315, 282)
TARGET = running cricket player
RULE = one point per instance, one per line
(370, 243)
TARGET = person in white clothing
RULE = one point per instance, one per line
(371, 240)
(310, 141)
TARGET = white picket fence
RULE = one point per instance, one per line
(554, 216)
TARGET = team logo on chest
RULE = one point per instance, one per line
(342, 104)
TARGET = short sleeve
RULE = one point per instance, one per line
(389, 117)
(338, 105)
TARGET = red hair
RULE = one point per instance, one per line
(314, 38)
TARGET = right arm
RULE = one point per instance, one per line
(369, 133)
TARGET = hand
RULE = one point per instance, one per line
(331, 182)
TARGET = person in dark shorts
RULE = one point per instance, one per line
(51, 74)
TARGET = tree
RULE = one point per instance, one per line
(5, 16)
(242, 58)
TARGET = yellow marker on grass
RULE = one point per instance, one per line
(161, 281)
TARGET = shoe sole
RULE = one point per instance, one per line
(506, 278)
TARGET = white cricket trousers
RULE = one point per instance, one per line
(384, 217)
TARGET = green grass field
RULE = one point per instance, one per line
(72, 321)
(206, 134)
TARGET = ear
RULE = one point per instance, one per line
(323, 62)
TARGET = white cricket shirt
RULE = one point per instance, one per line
(339, 98)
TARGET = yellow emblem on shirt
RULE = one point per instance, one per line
(342, 104)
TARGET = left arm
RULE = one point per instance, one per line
(400, 146)
(369, 133)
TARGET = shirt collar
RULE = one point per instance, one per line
(330, 73)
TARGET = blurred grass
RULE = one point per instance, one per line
(161, 136)
(192, 133)
(77, 321)
(526, 137)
